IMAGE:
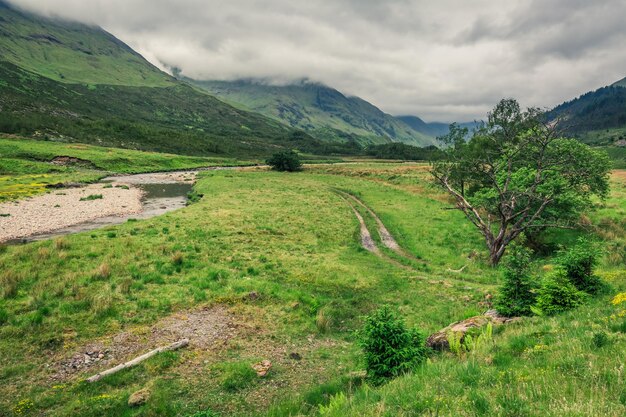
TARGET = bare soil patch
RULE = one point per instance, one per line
(206, 329)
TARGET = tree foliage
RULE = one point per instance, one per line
(517, 294)
(557, 294)
(515, 174)
(285, 161)
(578, 263)
(390, 348)
(397, 150)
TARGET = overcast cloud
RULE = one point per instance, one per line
(442, 60)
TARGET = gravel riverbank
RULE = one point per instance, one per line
(62, 208)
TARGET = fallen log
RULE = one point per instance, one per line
(174, 346)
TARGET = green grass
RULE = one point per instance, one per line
(541, 367)
(91, 197)
(293, 241)
(618, 156)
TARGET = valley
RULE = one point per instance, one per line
(227, 228)
(283, 260)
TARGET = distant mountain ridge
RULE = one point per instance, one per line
(321, 111)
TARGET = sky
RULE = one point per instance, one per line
(443, 60)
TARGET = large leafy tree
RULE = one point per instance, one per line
(515, 173)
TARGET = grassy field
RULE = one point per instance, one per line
(277, 256)
(25, 167)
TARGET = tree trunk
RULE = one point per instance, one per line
(496, 251)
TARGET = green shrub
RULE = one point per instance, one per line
(390, 348)
(578, 263)
(517, 294)
(285, 161)
(557, 294)
(193, 197)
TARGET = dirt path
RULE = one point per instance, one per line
(366, 238)
(385, 236)
(367, 241)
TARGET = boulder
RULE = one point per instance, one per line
(439, 340)
(139, 398)
(262, 368)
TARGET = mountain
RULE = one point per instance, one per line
(435, 129)
(321, 111)
(72, 82)
(72, 52)
(432, 129)
(597, 117)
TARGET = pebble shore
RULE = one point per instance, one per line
(62, 208)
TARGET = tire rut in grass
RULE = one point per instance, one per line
(385, 236)
(367, 241)
(366, 237)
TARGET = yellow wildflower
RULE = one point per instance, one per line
(619, 299)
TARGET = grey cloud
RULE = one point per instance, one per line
(445, 60)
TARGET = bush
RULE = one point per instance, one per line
(390, 348)
(517, 294)
(557, 294)
(193, 197)
(578, 263)
(285, 161)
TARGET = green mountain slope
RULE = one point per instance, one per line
(323, 112)
(72, 52)
(71, 82)
(175, 119)
(599, 119)
(602, 109)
